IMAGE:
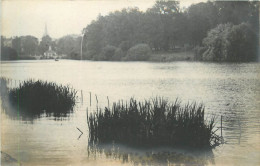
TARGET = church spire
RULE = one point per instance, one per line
(46, 30)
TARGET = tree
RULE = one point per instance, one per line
(201, 18)
(8, 53)
(242, 43)
(166, 7)
(16, 45)
(165, 26)
(108, 52)
(95, 38)
(179, 30)
(228, 42)
(216, 43)
(167, 10)
(29, 45)
(45, 43)
(235, 12)
(69, 45)
(154, 30)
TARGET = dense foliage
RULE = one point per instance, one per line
(165, 27)
(156, 123)
(139, 52)
(45, 43)
(229, 42)
(69, 45)
(8, 53)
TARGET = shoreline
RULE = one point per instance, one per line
(161, 57)
(154, 57)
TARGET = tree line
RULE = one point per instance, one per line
(217, 31)
(26, 47)
(213, 31)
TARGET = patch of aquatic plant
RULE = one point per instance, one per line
(34, 98)
(153, 123)
(3, 92)
(3, 87)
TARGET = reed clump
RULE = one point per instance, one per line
(3, 87)
(153, 123)
(36, 97)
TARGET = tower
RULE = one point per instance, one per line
(46, 30)
(46, 44)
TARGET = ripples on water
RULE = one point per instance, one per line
(230, 90)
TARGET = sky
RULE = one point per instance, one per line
(63, 17)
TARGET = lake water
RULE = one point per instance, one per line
(228, 90)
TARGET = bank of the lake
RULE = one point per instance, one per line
(155, 56)
(172, 56)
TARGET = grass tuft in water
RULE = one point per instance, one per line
(37, 97)
(153, 123)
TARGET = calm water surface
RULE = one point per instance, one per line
(230, 90)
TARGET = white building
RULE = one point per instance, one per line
(49, 54)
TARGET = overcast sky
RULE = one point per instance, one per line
(19, 18)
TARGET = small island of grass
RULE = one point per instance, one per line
(153, 123)
(33, 98)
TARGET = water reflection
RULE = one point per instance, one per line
(6, 159)
(150, 157)
(242, 109)
(23, 115)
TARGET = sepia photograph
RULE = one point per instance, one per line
(129, 83)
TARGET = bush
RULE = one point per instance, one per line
(108, 52)
(139, 52)
(156, 123)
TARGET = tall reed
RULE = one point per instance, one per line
(37, 97)
(153, 123)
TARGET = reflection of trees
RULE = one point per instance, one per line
(150, 156)
(19, 114)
